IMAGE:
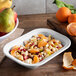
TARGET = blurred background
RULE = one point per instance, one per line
(37, 6)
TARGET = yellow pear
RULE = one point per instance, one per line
(5, 4)
(7, 22)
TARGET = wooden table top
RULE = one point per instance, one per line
(51, 68)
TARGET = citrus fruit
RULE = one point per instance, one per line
(72, 18)
(42, 36)
(67, 61)
(74, 63)
(42, 43)
(71, 29)
(33, 50)
(13, 50)
(63, 13)
(35, 59)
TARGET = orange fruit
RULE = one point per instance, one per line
(69, 33)
(35, 59)
(33, 50)
(42, 43)
(13, 52)
(67, 61)
(14, 49)
(42, 36)
(68, 67)
(63, 13)
(74, 63)
(71, 29)
(26, 45)
(72, 18)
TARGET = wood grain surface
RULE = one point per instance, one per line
(51, 68)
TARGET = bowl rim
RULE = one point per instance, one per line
(12, 30)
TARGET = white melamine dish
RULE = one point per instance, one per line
(19, 41)
(5, 36)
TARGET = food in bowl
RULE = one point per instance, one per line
(36, 49)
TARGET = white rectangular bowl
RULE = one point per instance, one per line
(19, 41)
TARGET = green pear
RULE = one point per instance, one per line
(7, 22)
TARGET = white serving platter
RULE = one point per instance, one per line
(19, 41)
